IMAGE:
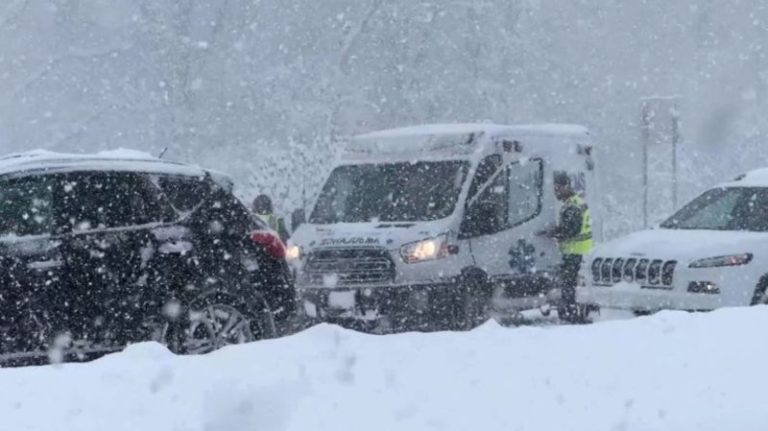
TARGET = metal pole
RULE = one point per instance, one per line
(675, 141)
(304, 169)
(646, 119)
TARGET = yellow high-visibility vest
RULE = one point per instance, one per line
(272, 221)
(582, 243)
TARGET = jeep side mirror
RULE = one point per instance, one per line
(298, 218)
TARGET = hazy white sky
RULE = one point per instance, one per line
(229, 83)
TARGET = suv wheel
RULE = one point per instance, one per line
(217, 320)
(216, 326)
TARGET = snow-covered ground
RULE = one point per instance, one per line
(672, 371)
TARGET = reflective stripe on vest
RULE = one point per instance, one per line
(581, 243)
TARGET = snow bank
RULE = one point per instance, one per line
(672, 371)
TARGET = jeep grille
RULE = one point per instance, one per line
(649, 273)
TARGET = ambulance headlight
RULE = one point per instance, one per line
(424, 250)
(293, 253)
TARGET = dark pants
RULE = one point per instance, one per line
(569, 273)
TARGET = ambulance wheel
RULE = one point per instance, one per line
(474, 294)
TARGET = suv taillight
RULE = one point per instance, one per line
(271, 243)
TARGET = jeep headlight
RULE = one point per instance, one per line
(718, 261)
(424, 250)
(293, 253)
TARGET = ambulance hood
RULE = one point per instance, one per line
(389, 235)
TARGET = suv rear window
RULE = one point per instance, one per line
(184, 193)
(108, 199)
(26, 206)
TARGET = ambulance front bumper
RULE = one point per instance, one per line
(374, 302)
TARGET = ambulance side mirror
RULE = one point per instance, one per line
(480, 219)
(298, 218)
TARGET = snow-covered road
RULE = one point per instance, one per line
(672, 371)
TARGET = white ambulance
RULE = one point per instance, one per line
(420, 227)
(712, 253)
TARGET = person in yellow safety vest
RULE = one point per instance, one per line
(262, 206)
(574, 236)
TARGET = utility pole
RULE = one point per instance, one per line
(660, 119)
(646, 119)
(675, 113)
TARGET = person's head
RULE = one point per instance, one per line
(563, 189)
(262, 205)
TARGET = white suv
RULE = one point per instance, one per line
(712, 253)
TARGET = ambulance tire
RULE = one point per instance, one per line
(473, 300)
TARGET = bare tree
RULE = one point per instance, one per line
(342, 70)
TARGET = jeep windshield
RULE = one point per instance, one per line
(735, 208)
(407, 192)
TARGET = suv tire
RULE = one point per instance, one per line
(215, 320)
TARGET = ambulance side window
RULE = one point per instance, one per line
(487, 214)
(483, 173)
(525, 191)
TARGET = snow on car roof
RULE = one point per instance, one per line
(757, 178)
(467, 128)
(113, 160)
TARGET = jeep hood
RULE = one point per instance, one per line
(682, 245)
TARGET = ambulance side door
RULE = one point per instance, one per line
(502, 220)
(530, 212)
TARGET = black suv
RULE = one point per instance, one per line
(100, 251)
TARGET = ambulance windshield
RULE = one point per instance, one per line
(406, 192)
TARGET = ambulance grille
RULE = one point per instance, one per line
(349, 266)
